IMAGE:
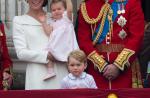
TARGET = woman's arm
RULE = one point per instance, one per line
(21, 46)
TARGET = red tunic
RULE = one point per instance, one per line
(134, 29)
(5, 61)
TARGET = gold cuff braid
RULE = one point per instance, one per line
(123, 58)
(97, 60)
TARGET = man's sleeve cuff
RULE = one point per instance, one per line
(123, 58)
(97, 60)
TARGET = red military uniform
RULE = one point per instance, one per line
(118, 45)
(5, 61)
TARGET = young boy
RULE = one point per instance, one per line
(77, 78)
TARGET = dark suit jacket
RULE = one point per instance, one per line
(146, 8)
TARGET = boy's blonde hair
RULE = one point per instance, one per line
(56, 1)
(78, 55)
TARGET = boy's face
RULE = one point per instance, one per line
(57, 10)
(75, 67)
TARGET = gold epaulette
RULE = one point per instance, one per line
(98, 60)
(123, 58)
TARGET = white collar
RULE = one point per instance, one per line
(27, 20)
(82, 76)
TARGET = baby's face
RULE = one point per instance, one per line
(57, 10)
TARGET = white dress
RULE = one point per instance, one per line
(62, 40)
(29, 40)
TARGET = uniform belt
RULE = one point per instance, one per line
(110, 47)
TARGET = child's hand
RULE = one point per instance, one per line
(47, 29)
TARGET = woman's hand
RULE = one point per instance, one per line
(111, 72)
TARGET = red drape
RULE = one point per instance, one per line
(79, 93)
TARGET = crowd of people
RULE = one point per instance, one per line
(101, 53)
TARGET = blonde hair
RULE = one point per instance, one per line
(56, 1)
(78, 55)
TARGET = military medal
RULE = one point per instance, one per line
(122, 34)
(119, 12)
(121, 21)
(121, 9)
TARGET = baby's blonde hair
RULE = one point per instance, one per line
(78, 55)
(56, 1)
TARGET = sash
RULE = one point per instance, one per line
(115, 8)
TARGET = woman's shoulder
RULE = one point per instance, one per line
(20, 19)
(25, 20)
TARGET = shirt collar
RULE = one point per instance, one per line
(82, 76)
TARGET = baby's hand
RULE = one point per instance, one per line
(47, 29)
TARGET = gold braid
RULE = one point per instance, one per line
(106, 9)
(92, 20)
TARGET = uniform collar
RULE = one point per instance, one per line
(82, 76)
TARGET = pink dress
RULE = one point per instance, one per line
(62, 40)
